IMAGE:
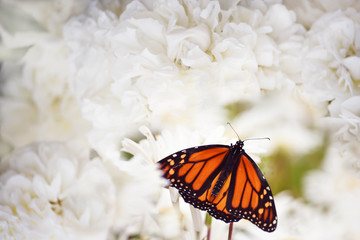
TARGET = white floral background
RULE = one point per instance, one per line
(93, 93)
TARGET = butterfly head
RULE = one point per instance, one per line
(239, 144)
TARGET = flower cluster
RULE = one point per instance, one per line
(94, 93)
(55, 190)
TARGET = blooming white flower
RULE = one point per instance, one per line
(332, 46)
(336, 185)
(282, 118)
(152, 149)
(32, 15)
(309, 11)
(37, 103)
(296, 220)
(138, 188)
(345, 120)
(54, 190)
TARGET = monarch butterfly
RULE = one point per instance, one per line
(224, 181)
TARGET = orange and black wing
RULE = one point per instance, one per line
(194, 172)
(249, 195)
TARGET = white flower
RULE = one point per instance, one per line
(337, 185)
(140, 207)
(53, 190)
(288, 122)
(137, 186)
(125, 76)
(332, 46)
(153, 149)
(345, 119)
(33, 15)
(37, 103)
(309, 11)
(296, 221)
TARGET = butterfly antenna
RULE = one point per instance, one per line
(233, 130)
(259, 138)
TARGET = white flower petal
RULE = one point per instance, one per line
(352, 64)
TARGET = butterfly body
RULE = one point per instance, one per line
(224, 181)
(230, 160)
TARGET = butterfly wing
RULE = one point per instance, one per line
(216, 205)
(193, 170)
(249, 195)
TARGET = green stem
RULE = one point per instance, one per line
(208, 220)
